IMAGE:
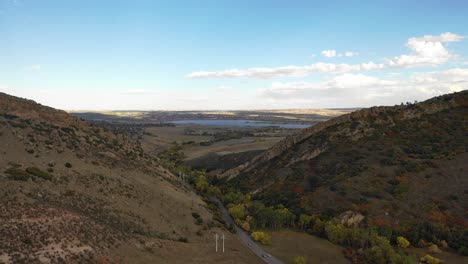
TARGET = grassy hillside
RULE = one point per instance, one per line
(403, 168)
(73, 193)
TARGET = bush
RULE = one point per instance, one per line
(402, 242)
(375, 255)
(300, 260)
(68, 165)
(261, 237)
(231, 228)
(195, 215)
(38, 173)
(17, 174)
(428, 259)
(183, 239)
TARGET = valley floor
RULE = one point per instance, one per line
(287, 244)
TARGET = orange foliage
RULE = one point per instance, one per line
(438, 216)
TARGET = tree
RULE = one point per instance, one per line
(245, 225)
(233, 197)
(335, 233)
(375, 255)
(201, 184)
(402, 242)
(300, 260)
(237, 211)
(261, 237)
(304, 221)
(213, 191)
(430, 260)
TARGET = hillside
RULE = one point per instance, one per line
(396, 166)
(73, 193)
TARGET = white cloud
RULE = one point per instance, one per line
(350, 54)
(351, 90)
(287, 71)
(36, 67)
(333, 53)
(329, 53)
(343, 90)
(444, 37)
(426, 51)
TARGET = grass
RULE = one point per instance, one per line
(286, 245)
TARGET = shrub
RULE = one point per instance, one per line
(245, 225)
(300, 260)
(17, 174)
(68, 165)
(195, 215)
(38, 173)
(402, 242)
(375, 255)
(183, 239)
(428, 259)
(231, 228)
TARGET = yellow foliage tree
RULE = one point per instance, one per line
(245, 225)
(201, 183)
(237, 211)
(261, 237)
(428, 259)
(402, 242)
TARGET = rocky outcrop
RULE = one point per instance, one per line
(351, 219)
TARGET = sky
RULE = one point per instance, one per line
(220, 55)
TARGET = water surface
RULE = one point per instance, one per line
(239, 123)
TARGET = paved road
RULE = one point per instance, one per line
(245, 238)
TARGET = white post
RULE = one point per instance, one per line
(216, 242)
(223, 242)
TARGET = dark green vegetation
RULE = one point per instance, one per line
(213, 161)
(403, 168)
(30, 173)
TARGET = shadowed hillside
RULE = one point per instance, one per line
(399, 167)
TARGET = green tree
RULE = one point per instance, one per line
(335, 233)
(304, 221)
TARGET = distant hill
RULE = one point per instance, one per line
(74, 193)
(395, 165)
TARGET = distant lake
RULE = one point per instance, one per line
(239, 123)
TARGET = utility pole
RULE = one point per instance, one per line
(216, 242)
(223, 242)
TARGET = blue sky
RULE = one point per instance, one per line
(96, 55)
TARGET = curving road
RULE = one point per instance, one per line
(245, 238)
